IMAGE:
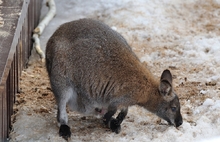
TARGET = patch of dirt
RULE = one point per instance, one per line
(35, 91)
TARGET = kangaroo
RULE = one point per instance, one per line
(93, 70)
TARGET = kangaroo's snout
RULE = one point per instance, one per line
(178, 121)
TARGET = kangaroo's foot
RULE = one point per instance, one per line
(65, 132)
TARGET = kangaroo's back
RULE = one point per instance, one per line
(92, 52)
(87, 36)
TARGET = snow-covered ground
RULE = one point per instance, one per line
(180, 35)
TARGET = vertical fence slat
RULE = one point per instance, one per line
(30, 28)
(4, 114)
(9, 88)
(1, 115)
(24, 42)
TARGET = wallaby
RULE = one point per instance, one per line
(93, 69)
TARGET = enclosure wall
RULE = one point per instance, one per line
(18, 18)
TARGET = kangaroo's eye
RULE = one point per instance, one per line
(173, 109)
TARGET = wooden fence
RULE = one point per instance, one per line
(18, 18)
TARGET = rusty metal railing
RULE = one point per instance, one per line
(18, 18)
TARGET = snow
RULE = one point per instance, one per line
(180, 35)
(208, 102)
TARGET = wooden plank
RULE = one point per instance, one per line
(10, 11)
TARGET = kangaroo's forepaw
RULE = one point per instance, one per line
(114, 126)
(65, 132)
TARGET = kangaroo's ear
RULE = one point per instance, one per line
(166, 75)
(165, 87)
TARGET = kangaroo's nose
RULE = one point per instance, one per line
(179, 123)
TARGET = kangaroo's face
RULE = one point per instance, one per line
(169, 106)
(170, 111)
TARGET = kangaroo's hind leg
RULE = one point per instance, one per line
(62, 118)
(62, 94)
